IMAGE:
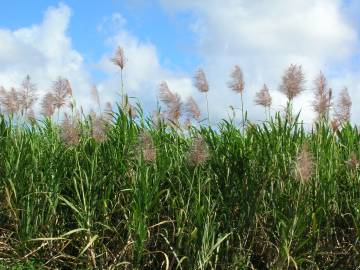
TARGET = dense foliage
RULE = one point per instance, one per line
(110, 205)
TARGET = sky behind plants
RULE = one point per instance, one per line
(169, 39)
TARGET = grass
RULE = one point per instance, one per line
(103, 205)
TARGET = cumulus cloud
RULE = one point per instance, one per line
(264, 37)
(143, 71)
(44, 51)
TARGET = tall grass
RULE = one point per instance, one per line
(104, 205)
(108, 191)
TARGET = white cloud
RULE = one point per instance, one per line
(143, 70)
(264, 37)
(44, 51)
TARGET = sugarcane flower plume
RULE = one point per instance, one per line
(353, 161)
(172, 101)
(192, 109)
(200, 81)
(343, 108)
(146, 147)
(61, 91)
(199, 152)
(69, 131)
(119, 58)
(237, 83)
(27, 94)
(48, 105)
(98, 128)
(10, 101)
(293, 82)
(304, 164)
(323, 96)
(263, 97)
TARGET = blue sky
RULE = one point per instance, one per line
(148, 21)
(169, 39)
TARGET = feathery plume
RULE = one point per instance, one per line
(10, 101)
(335, 125)
(202, 85)
(2, 97)
(343, 108)
(192, 108)
(27, 95)
(107, 115)
(199, 152)
(98, 128)
(2, 91)
(172, 102)
(353, 161)
(263, 97)
(61, 90)
(322, 102)
(69, 132)
(30, 115)
(157, 117)
(119, 58)
(292, 81)
(48, 105)
(237, 83)
(146, 147)
(304, 164)
(200, 81)
(96, 97)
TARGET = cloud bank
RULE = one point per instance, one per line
(44, 51)
(263, 37)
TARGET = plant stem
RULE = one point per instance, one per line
(242, 111)
(207, 107)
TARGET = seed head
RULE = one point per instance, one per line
(237, 83)
(119, 58)
(10, 101)
(304, 164)
(146, 147)
(172, 102)
(200, 81)
(98, 128)
(48, 105)
(157, 117)
(199, 152)
(2, 97)
(263, 97)
(27, 94)
(353, 161)
(292, 82)
(322, 102)
(335, 125)
(62, 91)
(343, 108)
(30, 115)
(108, 112)
(69, 132)
(95, 95)
(192, 109)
